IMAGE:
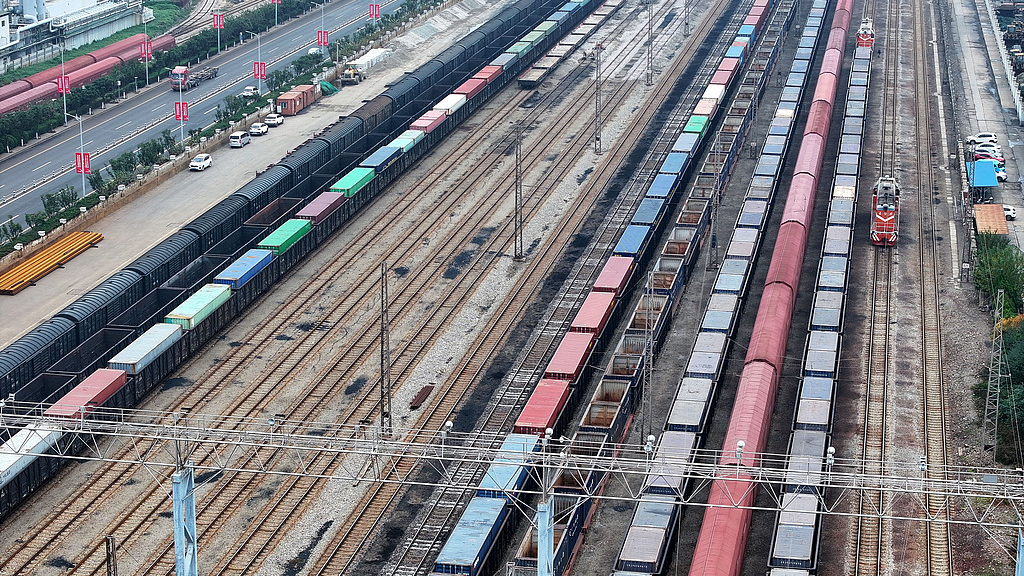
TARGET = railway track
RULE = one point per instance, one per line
(939, 545)
(137, 518)
(874, 533)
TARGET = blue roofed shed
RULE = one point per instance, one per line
(982, 173)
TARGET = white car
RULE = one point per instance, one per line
(259, 129)
(274, 120)
(1001, 174)
(1010, 212)
(250, 92)
(201, 162)
(983, 137)
(989, 147)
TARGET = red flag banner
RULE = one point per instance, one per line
(218, 21)
(321, 38)
(82, 164)
(146, 49)
(375, 11)
(259, 70)
(181, 111)
(63, 85)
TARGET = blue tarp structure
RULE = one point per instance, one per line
(981, 174)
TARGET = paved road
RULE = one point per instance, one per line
(48, 164)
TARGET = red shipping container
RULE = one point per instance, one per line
(754, 21)
(614, 275)
(757, 11)
(571, 357)
(290, 103)
(321, 207)
(428, 122)
(471, 87)
(721, 77)
(90, 394)
(760, 3)
(594, 313)
(488, 73)
(543, 408)
(705, 106)
(730, 64)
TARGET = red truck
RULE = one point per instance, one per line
(182, 78)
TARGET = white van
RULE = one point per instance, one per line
(239, 139)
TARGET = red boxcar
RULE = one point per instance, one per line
(571, 357)
(46, 91)
(614, 275)
(543, 408)
(90, 394)
(594, 313)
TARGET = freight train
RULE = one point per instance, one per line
(794, 549)
(307, 185)
(80, 71)
(721, 544)
(483, 529)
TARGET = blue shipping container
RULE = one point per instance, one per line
(686, 142)
(675, 163)
(662, 186)
(382, 158)
(633, 242)
(735, 52)
(245, 268)
(508, 472)
(504, 60)
(649, 212)
(468, 544)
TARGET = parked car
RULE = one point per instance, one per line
(1010, 212)
(989, 147)
(201, 162)
(250, 92)
(983, 137)
(989, 156)
(274, 120)
(239, 139)
(1000, 174)
(259, 129)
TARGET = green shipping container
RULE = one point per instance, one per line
(519, 48)
(546, 27)
(533, 37)
(353, 181)
(405, 144)
(281, 240)
(696, 124)
(199, 306)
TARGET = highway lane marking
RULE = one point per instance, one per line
(87, 143)
(158, 108)
(41, 166)
(123, 125)
(212, 110)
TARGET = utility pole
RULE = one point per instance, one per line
(385, 356)
(597, 98)
(646, 393)
(518, 217)
(650, 42)
(111, 555)
(995, 376)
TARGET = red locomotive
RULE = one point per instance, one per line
(885, 210)
(865, 34)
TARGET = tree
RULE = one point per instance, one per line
(1000, 266)
(150, 152)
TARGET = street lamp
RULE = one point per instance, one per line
(324, 46)
(81, 145)
(136, 84)
(259, 57)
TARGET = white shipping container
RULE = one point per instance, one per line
(714, 92)
(34, 439)
(370, 59)
(451, 103)
(154, 342)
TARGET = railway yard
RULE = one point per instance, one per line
(699, 278)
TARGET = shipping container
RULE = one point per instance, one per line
(471, 87)
(633, 241)
(200, 305)
(280, 240)
(404, 143)
(503, 61)
(509, 471)
(705, 107)
(663, 186)
(382, 158)
(675, 163)
(594, 313)
(671, 463)
(466, 550)
(615, 275)
(643, 550)
(146, 348)
(543, 408)
(451, 104)
(649, 212)
(696, 125)
(89, 395)
(428, 122)
(353, 182)
(488, 73)
(570, 359)
(33, 439)
(245, 268)
(533, 38)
